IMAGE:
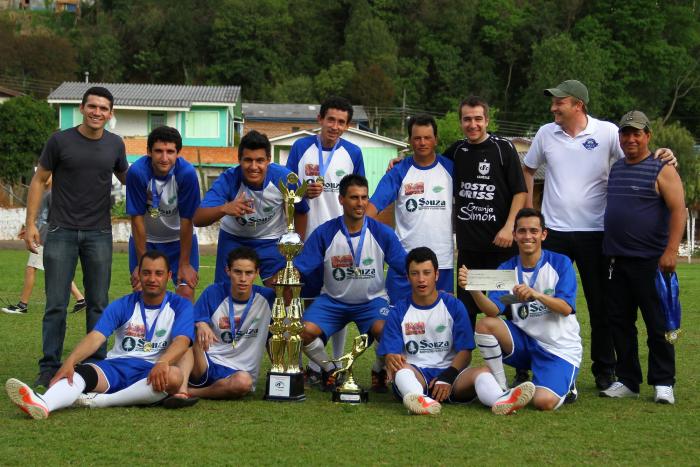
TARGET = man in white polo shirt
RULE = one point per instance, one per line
(578, 150)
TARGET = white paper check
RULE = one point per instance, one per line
(491, 279)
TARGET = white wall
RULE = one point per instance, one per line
(131, 122)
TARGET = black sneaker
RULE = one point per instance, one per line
(572, 396)
(79, 305)
(521, 376)
(379, 381)
(43, 380)
(603, 381)
(19, 309)
(312, 378)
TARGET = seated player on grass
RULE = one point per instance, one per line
(544, 334)
(427, 342)
(232, 324)
(152, 331)
(351, 250)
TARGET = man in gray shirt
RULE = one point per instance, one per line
(82, 161)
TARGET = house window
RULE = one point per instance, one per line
(157, 119)
(202, 124)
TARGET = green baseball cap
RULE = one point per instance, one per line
(634, 119)
(570, 87)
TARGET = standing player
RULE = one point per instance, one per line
(544, 334)
(152, 330)
(427, 341)
(330, 157)
(162, 195)
(232, 326)
(352, 250)
(250, 205)
(420, 186)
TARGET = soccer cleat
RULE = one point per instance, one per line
(520, 377)
(572, 396)
(79, 305)
(604, 381)
(24, 398)
(85, 400)
(312, 378)
(18, 309)
(379, 381)
(664, 395)
(514, 399)
(421, 405)
(618, 390)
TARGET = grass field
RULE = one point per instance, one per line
(318, 432)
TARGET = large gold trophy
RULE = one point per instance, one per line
(285, 380)
(350, 391)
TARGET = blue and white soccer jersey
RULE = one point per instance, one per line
(549, 343)
(423, 211)
(259, 230)
(223, 358)
(349, 293)
(179, 199)
(428, 336)
(130, 360)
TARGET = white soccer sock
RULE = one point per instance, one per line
(62, 394)
(338, 342)
(139, 393)
(487, 389)
(407, 383)
(316, 351)
(313, 366)
(491, 351)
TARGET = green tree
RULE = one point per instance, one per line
(335, 80)
(298, 89)
(25, 124)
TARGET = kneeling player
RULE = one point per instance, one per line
(427, 342)
(544, 334)
(232, 324)
(152, 328)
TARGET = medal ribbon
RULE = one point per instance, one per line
(232, 314)
(535, 272)
(155, 201)
(322, 168)
(356, 255)
(149, 331)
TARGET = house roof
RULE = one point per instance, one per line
(7, 92)
(162, 96)
(368, 134)
(292, 112)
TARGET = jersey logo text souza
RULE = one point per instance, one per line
(423, 203)
(411, 329)
(417, 188)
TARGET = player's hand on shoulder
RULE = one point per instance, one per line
(666, 155)
(393, 162)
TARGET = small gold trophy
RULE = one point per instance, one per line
(350, 392)
(285, 380)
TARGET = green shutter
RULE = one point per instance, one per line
(376, 161)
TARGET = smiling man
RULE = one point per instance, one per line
(351, 250)
(251, 207)
(82, 160)
(162, 195)
(152, 330)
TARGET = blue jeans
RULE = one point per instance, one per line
(62, 249)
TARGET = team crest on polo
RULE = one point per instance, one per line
(590, 144)
(412, 347)
(241, 221)
(339, 274)
(484, 167)
(411, 205)
(523, 312)
(227, 337)
(128, 344)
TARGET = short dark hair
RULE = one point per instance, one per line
(242, 252)
(350, 180)
(153, 255)
(529, 212)
(336, 102)
(474, 101)
(421, 255)
(101, 92)
(254, 140)
(164, 134)
(422, 120)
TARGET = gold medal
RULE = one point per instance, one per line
(319, 180)
(147, 346)
(155, 213)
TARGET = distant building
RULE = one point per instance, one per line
(7, 93)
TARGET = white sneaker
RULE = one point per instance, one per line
(421, 405)
(514, 399)
(618, 390)
(664, 395)
(85, 400)
(26, 399)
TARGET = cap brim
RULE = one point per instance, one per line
(638, 126)
(555, 92)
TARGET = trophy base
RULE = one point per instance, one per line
(284, 387)
(355, 397)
